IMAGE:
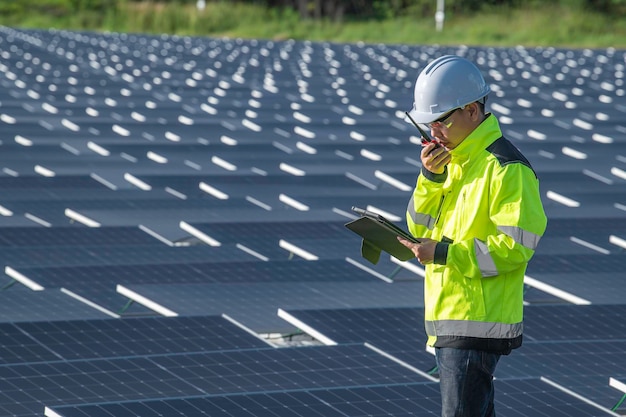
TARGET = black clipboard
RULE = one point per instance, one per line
(380, 234)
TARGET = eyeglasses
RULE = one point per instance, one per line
(442, 121)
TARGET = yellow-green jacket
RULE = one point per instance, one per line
(486, 212)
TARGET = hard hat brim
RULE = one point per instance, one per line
(423, 118)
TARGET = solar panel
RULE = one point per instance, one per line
(574, 323)
(401, 329)
(43, 183)
(85, 339)
(61, 256)
(256, 305)
(577, 365)
(535, 296)
(578, 263)
(226, 268)
(18, 347)
(600, 290)
(391, 330)
(542, 398)
(28, 387)
(326, 240)
(397, 331)
(25, 305)
(564, 358)
(523, 398)
(74, 236)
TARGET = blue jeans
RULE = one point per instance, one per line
(466, 382)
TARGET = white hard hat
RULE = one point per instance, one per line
(447, 83)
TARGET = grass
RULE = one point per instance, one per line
(549, 25)
(497, 28)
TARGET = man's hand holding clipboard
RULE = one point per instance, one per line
(424, 249)
(380, 234)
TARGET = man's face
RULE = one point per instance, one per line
(459, 124)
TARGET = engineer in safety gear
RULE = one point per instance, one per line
(477, 211)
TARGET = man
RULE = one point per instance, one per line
(477, 212)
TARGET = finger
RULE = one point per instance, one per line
(439, 153)
(405, 242)
(441, 160)
(428, 148)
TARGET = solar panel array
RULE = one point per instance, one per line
(173, 207)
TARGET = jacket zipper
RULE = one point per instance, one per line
(443, 197)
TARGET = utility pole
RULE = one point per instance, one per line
(440, 15)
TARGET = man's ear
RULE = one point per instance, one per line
(474, 111)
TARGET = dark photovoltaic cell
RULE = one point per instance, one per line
(273, 231)
(237, 268)
(23, 305)
(84, 339)
(535, 296)
(600, 289)
(60, 256)
(575, 323)
(400, 331)
(74, 236)
(256, 305)
(537, 398)
(580, 366)
(286, 369)
(520, 398)
(326, 240)
(564, 358)
(41, 183)
(576, 263)
(387, 328)
(588, 228)
(405, 400)
(397, 331)
(97, 283)
(18, 347)
(28, 387)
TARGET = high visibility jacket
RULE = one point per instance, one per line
(486, 212)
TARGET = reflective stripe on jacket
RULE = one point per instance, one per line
(487, 213)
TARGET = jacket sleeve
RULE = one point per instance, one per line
(425, 203)
(515, 225)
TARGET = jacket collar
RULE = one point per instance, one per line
(484, 135)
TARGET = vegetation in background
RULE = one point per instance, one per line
(567, 23)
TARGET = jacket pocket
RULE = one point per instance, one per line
(476, 297)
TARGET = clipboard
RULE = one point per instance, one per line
(380, 234)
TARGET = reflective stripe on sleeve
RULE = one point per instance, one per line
(521, 236)
(473, 329)
(420, 218)
(485, 262)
